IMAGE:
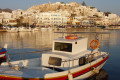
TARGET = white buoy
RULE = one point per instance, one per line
(95, 70)
(70, 77)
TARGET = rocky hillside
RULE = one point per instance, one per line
(6, 10)
(52, 7)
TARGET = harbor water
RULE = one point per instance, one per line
(24, 45)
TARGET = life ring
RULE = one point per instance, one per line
(94, 46)
(71, 37)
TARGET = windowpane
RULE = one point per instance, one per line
(67, 47)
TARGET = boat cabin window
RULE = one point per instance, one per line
(67, 47)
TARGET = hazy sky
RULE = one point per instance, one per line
(102, 5)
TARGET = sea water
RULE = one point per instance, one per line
(28, 45)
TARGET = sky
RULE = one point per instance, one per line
(102, 5)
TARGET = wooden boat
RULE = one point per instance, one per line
(69, 59)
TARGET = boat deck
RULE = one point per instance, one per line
(35, 72)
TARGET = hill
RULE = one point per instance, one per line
(6, 10)
(52, 7)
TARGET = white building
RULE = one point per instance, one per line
(51, 18)
(6, 15)
(17, 13)
(106, 20)
(6, 18)
(112, 16)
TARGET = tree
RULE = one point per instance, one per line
(84, 4)
(25, 24)
(19, 21)
(107, 13)
(1, 25)
(62, 2)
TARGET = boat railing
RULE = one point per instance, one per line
(66, 63)
(82, 60)
(22, 56)
(70, 62)
(10, 56)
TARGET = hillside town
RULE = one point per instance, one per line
(59, 14)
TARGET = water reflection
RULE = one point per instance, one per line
(102, 75)
(22, 40)
(40, 39)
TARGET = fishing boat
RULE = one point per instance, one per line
(69, 59)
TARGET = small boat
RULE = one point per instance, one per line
(12, 29)
(69, 59)
(44, 29)
(47, 29)
(36, 29)
(24, 29)
(3, 56)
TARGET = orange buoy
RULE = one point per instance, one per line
(94, 44)
(71, 37)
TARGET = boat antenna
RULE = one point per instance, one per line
(96, 37)
(100, 43)
(109, 43)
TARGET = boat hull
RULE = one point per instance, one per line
(77, 73)
(90, 73)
